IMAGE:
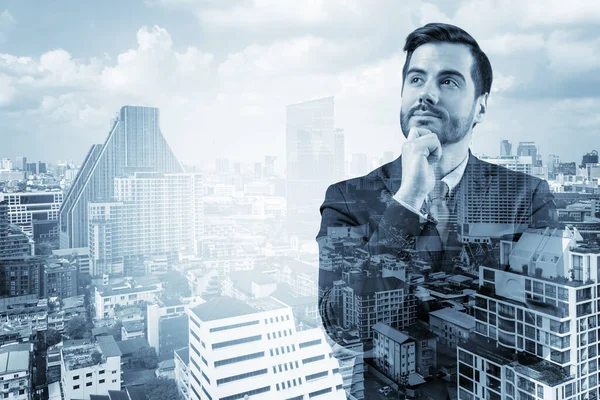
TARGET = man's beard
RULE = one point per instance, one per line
(453, 129)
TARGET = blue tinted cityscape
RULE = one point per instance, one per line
(144, 260)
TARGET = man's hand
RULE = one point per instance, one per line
(420, 152)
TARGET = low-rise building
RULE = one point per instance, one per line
(182, 371)
(90, 369)
(16, 371)
(394, 352)
(129, 293)
(450, 326)
(131, 330)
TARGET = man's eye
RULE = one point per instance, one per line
(449, 82)
(415, 79)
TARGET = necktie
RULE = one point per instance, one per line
(438, 209)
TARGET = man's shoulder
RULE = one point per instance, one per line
(377, 179)
(506, 173)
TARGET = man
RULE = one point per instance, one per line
(424, 206)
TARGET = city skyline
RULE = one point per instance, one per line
(225, 93)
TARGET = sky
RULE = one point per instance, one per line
(223, 71)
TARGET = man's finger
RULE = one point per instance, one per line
(415, 133)
(431, 145)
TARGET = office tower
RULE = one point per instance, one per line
(258, 170)
(135, 142)
(153, 214)
(35, 212)
(310, 163)
(238, 351)
(483, 221)
(6, 164)
(32, 168)
(13, 242)
(553, 161)
(359, 164)
(567, 168)
(589, 158)
(21, 276)
(60, 279)
(41, 168)
(536, 322)
(21, 163)
(339, 155)
(269, 171)
(505, 148)
(528, 149)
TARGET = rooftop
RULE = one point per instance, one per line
(390, 332)
(128, 347)
(455, 317)
(108, 346)
(15, 357)
(133, 327)
(374, 285)
(221, 308)
(184, 355)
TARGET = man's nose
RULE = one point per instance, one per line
(429, 95)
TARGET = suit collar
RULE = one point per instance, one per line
(477, 172)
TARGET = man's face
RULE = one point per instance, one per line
(438, 92)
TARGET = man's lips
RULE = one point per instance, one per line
(424, 114)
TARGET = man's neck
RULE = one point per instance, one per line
(452, 155)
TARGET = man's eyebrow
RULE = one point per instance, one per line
(454, 72)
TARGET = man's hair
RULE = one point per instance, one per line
(481, 70)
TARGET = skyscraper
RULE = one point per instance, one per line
(134, 142)
(153, 214)
(528, 149)
(310, 163)
(269, 166)
(505, 148)
(589, 158)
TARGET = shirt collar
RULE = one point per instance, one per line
(453, 177)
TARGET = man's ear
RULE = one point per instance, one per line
(481, 108)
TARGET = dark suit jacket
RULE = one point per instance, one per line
(364, 209)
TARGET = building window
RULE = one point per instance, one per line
(88, 384)
(89, 374)
(76, 377)
(101, 381)
(75, 387)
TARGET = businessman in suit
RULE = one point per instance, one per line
(425, 203)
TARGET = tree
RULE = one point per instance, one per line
(97, 357)
(147, 357)
(115, 331)
(76, 328)
(161, 389)
(53, 337)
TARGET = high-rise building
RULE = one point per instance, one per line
(374, 300)
(13, 242)
(505, 148)
(21, 276)
(536, 322)
(528, 149)
(238, 352)
(482, 221)
(153, 214)
(339, 149)
(35, 212)
(589, 158)
(60, 279)
(134, 143)
(222, 166)
(21, 163)
(6, 164)
(553, 161)
(269, 171)
(310, 157)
